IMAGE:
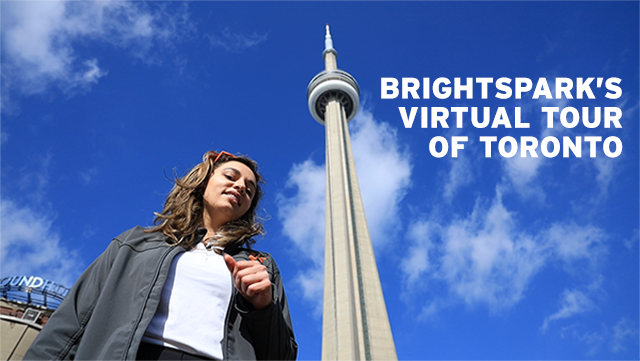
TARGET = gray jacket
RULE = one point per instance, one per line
(107, 311)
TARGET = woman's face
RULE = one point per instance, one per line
(229, 193)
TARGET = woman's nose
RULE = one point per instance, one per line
(240, 186)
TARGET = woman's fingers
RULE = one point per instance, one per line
(252, 281)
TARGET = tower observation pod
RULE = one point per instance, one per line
(355, 325)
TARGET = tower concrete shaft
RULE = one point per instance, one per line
(355, 323)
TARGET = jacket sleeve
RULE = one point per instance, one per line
(59, 338)
(271, 328)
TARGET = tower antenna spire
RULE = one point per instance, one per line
(328, 41)
(329, 54)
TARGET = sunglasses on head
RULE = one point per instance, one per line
(223, 153)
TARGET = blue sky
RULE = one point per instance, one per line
(479, 258)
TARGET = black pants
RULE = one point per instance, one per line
(148, 351)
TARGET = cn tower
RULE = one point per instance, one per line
(355, 324)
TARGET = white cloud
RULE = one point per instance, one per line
(383, 173)
(460, 174)
(571, 242)
(29, 242)
(486, 257)
(311, 282)
(33, 184)
(592, 339)
(606, 167)
(606, 170)
(429, 310)
(236, 42)
(521, 172)
(31, 246)
(619, 337)
(418, 261)
(40, 39)
(623, 331)
(572, 303)
(303, 216)
(633, 239)
(88, 175)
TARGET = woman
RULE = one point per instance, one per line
(188, 288)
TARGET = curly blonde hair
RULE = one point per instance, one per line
(183, 210)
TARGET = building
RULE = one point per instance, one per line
(26, 303)
(355, 324)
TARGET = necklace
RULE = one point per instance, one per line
(210, 244)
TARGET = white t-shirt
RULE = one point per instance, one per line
(195, 298)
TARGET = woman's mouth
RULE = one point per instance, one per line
(234, 196)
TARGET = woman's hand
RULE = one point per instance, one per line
(252, 281)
